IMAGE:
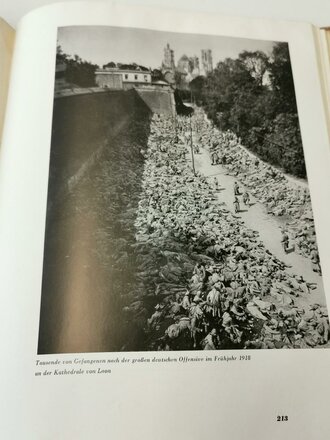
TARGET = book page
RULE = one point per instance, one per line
(7, 35)
(165, 252)
(322, 37)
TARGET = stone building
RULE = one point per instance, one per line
(168, 65)
(168, 62)
(184, 65)
(115, 78)
(188, 68)
(195, 66)
(206, 61)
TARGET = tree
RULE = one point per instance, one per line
(81, 73)
(281, 79)
(237, 96)
(111, 64)
(231, 90)
(180, 80)
(61, 57)
(157, 75)
(197, 86)
(78, 72)
(256, 63)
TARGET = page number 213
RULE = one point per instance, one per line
(282, 418)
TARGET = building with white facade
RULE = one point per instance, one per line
(115, 78)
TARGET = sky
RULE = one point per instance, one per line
(102, 44)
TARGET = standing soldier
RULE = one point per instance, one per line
(285, 241)
(214, 157)
(246, 198)
(236, 204)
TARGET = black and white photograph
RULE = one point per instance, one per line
(179, 215)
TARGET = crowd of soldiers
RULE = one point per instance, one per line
(280, 195)
(214, 283)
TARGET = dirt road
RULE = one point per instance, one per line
(255, 217)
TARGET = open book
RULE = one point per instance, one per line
(164, 199)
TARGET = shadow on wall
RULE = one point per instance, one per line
(88, 262)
